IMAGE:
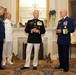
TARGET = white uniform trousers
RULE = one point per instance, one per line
(28, 54)
(7, 51)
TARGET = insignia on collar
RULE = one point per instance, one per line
(39, 23)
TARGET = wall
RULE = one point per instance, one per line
(6, 4)
(11, 7)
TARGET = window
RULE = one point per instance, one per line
(24, 9)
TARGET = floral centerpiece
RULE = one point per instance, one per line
(45, 22)
(52, 15)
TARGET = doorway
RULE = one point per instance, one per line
(72, 10)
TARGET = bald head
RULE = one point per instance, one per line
(36, 14)
(63, 13)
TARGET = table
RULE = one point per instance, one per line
(72, 45)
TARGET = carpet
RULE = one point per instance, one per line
(43, 69)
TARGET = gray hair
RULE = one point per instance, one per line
(35, 11)
(1, 7)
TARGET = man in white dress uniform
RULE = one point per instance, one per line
(7, 50)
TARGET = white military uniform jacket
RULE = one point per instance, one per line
(8, 30)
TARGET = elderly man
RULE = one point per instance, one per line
(2, 35)
(7, 50)
(35, 28)
(64, 28)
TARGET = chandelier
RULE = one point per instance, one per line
(35, 5)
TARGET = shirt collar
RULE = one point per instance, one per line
(65, 17)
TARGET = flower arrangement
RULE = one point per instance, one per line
(52, 13)
(45, 21)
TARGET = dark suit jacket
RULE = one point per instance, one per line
(2, 29)
(64, 39)
(35, 37)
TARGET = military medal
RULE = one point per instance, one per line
(31, 22)
(65, 30)
(34, 24)
(11, 24)
(39, 23)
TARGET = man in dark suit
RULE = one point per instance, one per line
(34, 28)
(2, 35)
(64, 28)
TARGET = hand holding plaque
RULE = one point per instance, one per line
(65, 30)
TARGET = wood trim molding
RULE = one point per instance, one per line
(69, 8)
(17, 11)
(4, 15)
(47, 12)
